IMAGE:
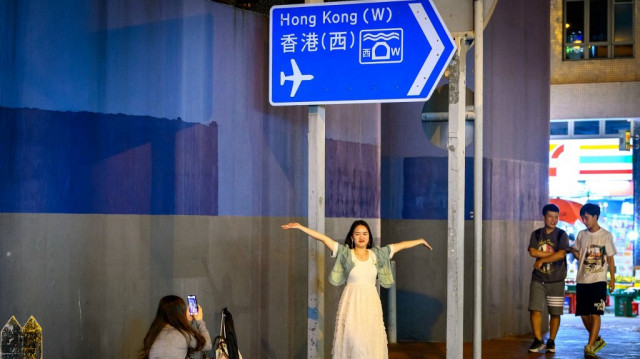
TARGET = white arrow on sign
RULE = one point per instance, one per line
(436, 49)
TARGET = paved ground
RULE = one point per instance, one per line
(622, 335)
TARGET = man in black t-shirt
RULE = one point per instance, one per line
(548, 245)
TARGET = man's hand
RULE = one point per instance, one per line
(538, 264)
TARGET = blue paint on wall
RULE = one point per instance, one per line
(166, 68)
(312, 313)
(89, 56)
(352, 180)
(425, 187)
(156, 62)
(83, 162)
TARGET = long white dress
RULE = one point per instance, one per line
(359, 331)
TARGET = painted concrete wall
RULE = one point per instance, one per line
(516, 128)
(604, 100)
(93, 281)
(140, 158)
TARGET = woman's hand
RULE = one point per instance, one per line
(328, 242)
(292, 225)
(198, 316)
(400, 246)
(424, 242)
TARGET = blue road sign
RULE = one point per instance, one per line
(356, 52)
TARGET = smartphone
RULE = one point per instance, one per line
(193, 304)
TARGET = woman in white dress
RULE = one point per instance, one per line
(359, 332)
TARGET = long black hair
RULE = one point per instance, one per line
(349, 240)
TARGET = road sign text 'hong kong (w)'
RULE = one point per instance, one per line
(356, 52)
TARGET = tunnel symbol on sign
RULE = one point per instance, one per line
(376, 54)
(382, 46)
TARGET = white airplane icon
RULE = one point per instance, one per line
(297, 77)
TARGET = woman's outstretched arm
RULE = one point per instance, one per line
(397, 247)
(328, 242)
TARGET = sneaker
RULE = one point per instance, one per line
(537, 346)
(551, 346)
(599, 344)
(589, 352)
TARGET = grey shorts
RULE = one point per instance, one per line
(551, 294)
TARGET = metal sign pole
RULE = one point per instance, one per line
(478, 145)
(455, 227)
(316, 214)
(316, 210)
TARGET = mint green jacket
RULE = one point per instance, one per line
(344, 264)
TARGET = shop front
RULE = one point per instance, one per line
(594, 170)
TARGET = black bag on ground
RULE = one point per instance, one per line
(225, 345)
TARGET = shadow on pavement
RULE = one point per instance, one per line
(622, 335)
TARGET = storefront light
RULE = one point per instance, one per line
(627, 208)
